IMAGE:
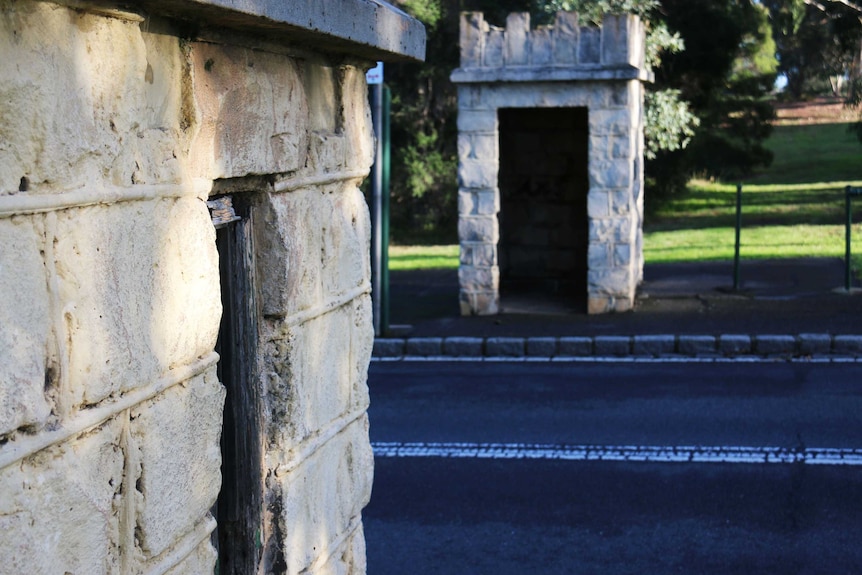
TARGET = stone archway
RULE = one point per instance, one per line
(587, 79)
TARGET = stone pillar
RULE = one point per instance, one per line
(565, 65)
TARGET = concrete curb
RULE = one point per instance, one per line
(775, 346)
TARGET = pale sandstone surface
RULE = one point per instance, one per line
(25, 317)
(116, 292)
(60, 509)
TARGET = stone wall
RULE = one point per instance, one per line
(116, 128)
(561, 66)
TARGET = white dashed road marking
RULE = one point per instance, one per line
(634, 453)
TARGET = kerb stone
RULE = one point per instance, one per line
(425, 346)
(696, 344)
(541, 346)
(654, 345)
(463, 346)
(774, 344)
(847, 344)
(504, 346)
(612, 345)
(730, 344)
(814, 343)
(388, 347)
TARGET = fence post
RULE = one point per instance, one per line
(736, 245)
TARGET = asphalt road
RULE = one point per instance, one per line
(615, 468)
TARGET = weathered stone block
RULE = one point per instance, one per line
(361, 347)
(730, 344)
(478, 255)
(597, 303)
(654, 345)
(87, 99)
(389, 347)
(610, 123)
(541, 47)
(610, 281)
(477, 121)
(477, 173)
(26, 369)
(541, 346)
(566, 38)
(482, 229)
(774, 344)
(598, 204)
(589, 50)
(425, 346)
(472, 38)
(322, 496)
(478, 146)
(611, 174)
(613, 230)
(140, 289)
(176, 435)
(504, 346)
(477, 279)
(312, 246)
(310, 376)
(612, 345)
(60, 508)
(599, 256)
(494, 42)
(814, 343)
(517, 48)
(622, 255)
(356, 118)
(696, 344)
(576, 346)
(463, 346)
(201, 561)
(847, 344)
(348, 559)
(252, 112)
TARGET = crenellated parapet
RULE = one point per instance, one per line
(563, 51)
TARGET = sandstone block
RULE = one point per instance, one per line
(541, 346)
(610, 123)
(313, 246)
(541, 47)
(140, 288)
(252, 112)
(477, 279)
(504, 346)
(576, 346)
(599, 255)
(611, 281)
(310, 374)
(26, 369)
(597, 303)
(321, 497)
(356, 118)
(463, 346)
(622, 202)
(177, 435)
(472, 38)
(389, 347)
(622, 255)
(478, 120)
(566, 38)
(479, 255)
(696, 344)
(87, 99)
(60, 508)
(517, 48)
(618, 230)
(477, 173)
(774, 344)
(201, 561)
(814, 343)
(598, 204)
(425, 346)
(361, 348)
(482, 229)
(654, 345)
(611, 174)
(612, 345)
(589, 50)
(494, 42)
(730, 344)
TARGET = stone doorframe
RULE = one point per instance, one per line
(560, 66)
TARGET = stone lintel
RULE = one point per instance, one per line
(373, 30)
(621, 73)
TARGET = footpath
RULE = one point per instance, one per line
(783, 309)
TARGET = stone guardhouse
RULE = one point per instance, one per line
(185, 327)
(550, 150)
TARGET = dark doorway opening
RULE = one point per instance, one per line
(544, 226)
(238, 509)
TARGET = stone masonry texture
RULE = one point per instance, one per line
(562, 66)
(115, 133)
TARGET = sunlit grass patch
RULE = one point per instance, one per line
(423, 257)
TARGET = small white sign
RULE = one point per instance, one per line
(375, 75)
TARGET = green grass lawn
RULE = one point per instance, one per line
(793, 209)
